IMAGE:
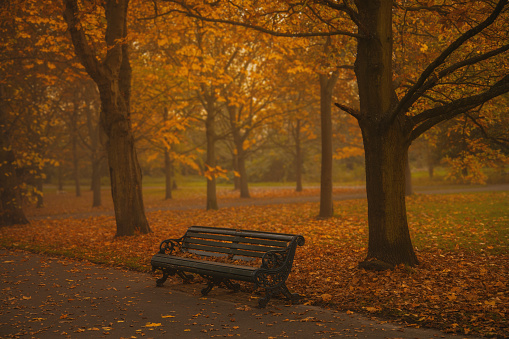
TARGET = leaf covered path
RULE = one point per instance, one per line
(50, 297)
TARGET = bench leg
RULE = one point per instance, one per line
(217, 282)
(186, 277)
(270, 292)
(293, 297)
(262, 302)
(160, 281)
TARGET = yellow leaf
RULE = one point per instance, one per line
(153, 324)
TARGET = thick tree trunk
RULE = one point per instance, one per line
(386, 141)
(113, 78)
(409, 190)
(386, 161)
(126, 188)
(211, 162)
(326, 86)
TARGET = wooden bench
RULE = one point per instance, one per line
(216, 253)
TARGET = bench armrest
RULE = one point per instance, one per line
(169, 245)
(273, 260)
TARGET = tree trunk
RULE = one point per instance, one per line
(168, 172)
(408, 179)
(96, 157)
(11, 212)
(298, 158)
(96, 182)
(326, 86)
(243, 180)
(74, 142)
(386, 161)
(168, 166)
(235, 166)
(211, 162)
(239, 159)
(60, 178)
(113, 78)
(386, 141)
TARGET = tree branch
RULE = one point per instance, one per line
(502, 142)
(418, 89)
(186, 10)
(79, 40)
(353, 112)
(433, 116)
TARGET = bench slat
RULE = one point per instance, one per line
(234, 246)
(238, 239)
(251, 234)
(187, 246)
(197, 266)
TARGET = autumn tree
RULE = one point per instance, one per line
(107, 63)
(389, 115)
(29, 99)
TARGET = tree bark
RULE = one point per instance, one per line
(113, 78)
(386, 141)
(408, 179)
(326, 86)
(386, 155)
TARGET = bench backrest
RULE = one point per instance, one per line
(236, 244)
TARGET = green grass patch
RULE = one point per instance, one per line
(477, 222)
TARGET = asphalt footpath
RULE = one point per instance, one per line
(53, 297)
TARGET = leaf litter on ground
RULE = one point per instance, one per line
(460, 285)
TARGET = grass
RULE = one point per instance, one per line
(476, 222)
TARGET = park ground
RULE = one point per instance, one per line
(461, 239)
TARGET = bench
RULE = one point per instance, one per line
(217, 254)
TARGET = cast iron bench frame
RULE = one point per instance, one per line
(277, 251)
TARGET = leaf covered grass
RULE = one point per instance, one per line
(461, 240)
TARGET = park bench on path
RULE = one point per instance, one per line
(220, 255)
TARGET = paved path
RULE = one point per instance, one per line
(49, 297)
(286, 200)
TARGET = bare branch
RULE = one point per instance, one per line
(79, 40)
(433, 116)
(502, 142)
(188, 11)
(353, 112)
(418, 89)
